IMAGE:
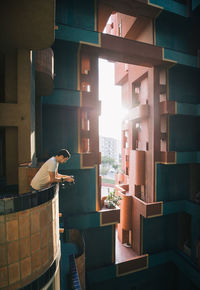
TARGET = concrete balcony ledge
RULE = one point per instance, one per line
(148, 210)
(167, 107)
(172, 157)
(139, 112)
(187, 206)
(136, 264)
(95, 219)
(168, 157)
(109, 216)
(110, 272)
(180, 57)
(176, 108)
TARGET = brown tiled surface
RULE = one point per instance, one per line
(53, 211)
(55, 208)
(2, 218)
(12, 230)
(28, 244)
(2, 232)
(3, 255)
(51, 249)
(36, 261)
(24, 225)
(25, 267)
(3, 277)
(50, 231)
(43, 217)
(12, 216)
(49, 212)
(13, 286)
(44, 237)
(25, 247)
(35, 242)
(13, 252)
(35, 221)
(44, 255)
(14, 273)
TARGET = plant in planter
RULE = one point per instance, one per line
(112, 200)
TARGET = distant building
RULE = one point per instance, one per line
(110, 147)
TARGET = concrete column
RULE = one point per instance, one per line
(26, 102)
(11, 140)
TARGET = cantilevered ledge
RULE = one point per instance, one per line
(128, 51)
(139, 112)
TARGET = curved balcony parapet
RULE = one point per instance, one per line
(44, 75)
(125, 206)
(29, 239)
(47, 278)
(26, 201)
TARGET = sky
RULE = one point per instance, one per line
(110, 96)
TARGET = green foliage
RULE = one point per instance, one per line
(107, 160)
(109, 181)
(116, 166)
(104, 170)
(112, 199)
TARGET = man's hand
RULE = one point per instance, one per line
(69, 179)
(56, 177)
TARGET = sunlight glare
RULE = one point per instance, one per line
(112, 112)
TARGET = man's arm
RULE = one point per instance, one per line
(56, 177)
(65, 177)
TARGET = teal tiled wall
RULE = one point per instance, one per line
(76, 13)
(184, 85)
(98, 243)
(167, 227)
(184, 133)
(60, 129)
(173, 182)
(80, 197)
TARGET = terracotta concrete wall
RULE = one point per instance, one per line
(120, 24)
(147, 32)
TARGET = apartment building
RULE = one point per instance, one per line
(64, 238)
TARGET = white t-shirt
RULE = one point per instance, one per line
(42, 179)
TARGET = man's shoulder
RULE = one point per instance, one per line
(52, 164)
(51, 160)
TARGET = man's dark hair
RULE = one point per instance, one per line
(64, 152)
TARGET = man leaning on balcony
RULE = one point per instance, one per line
(48, 173)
